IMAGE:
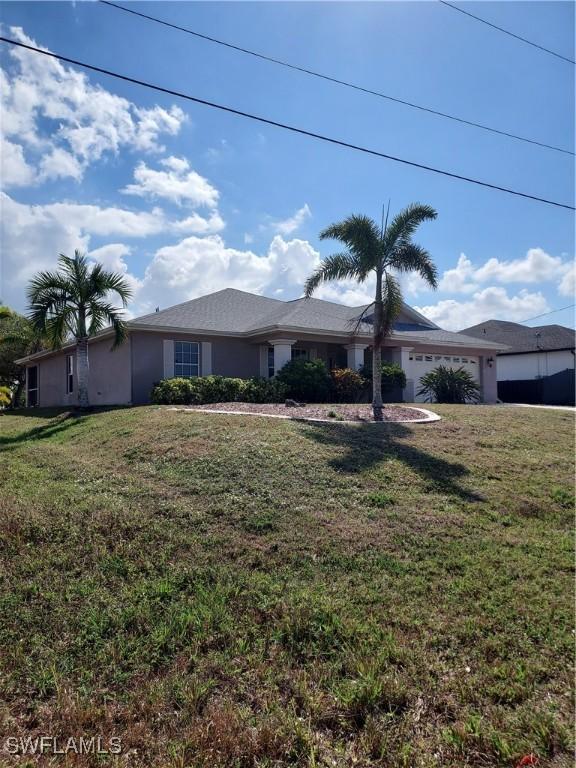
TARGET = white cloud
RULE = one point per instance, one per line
(87, 120)
(460, 279)
(536, 267)
(15, 171)
(198, 225)
(290, 225)
(199, 265)
(492, 303)
(567, 286)
(178, 184)
(60, 163)
(113, 257)
(32, 236)
(347, 292)
(105, 222)
(294, 260)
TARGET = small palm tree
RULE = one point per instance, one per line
(446, 385)
(73, 303)
(380, 251)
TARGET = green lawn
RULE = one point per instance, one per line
(234, 591)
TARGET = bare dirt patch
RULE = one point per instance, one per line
(345, 412)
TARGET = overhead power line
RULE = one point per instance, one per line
(544, 314)
(507, 32)
(336, 80)
(285, 126)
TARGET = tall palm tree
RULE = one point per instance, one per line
(382, 251)
(73, 303)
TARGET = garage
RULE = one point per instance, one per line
(422, 363)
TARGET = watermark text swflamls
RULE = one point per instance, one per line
(55, 745)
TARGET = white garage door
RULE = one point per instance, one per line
(422, 363)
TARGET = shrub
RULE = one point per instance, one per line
(307, 380)
(173, 392)
(217, 389)
(446, 385)
(264, 391)
(5, 396)
(393, 376)
(349, 386)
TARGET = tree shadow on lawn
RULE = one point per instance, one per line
(369, 444)
(61, 422)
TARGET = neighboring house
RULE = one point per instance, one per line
(233, 333)
(537, 367)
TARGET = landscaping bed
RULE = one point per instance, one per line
(343, 412)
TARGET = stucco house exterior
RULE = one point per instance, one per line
(537, 365)
(234, 333)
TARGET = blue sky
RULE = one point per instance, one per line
(186, 200)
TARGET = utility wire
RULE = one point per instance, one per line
(331, 79)
(286, 127)
(552, 312)
(507, 32)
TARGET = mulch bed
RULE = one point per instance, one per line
(344, 412)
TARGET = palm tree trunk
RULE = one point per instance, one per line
(377, 351)
(82, 372)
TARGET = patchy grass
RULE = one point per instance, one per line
(226, 591)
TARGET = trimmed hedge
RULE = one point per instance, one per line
(217, 389)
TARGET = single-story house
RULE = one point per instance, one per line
(234, 333)
(537, 366)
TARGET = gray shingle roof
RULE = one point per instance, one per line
(228, 310)
(519, 338)
(233, 311)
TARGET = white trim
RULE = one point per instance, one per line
(274, 342)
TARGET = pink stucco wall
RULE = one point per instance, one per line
(109, 383)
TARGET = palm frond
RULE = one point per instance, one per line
(60, 326)
(392, 303)
(101, 315)
(404, 225)
(76, 270)
(411, 257)
(102, 282)
(360, 234)
(338, 266)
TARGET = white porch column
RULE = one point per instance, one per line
(401, 355)
(356, 355)
(282, 352)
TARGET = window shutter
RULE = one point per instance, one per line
(168, 358)
(206, 359)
